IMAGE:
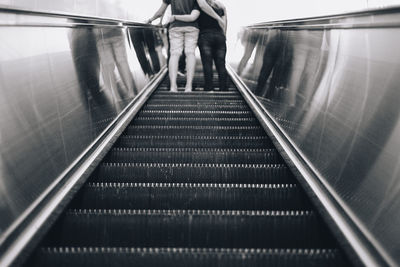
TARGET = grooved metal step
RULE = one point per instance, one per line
(196, 173)
(192, 155)
(187, 196)
(198, 89)
(190, 228)
(194, 141)
(153, 130)
(199, 93)
(194, 101)
(197, 83)
(222, 107)
(195, 114)
(181, 121)
(183, 257)
(199, 96)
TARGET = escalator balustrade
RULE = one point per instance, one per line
(193, 181)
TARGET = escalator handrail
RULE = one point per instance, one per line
(332, 21)
(96, 20)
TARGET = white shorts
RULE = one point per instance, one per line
(180, 37)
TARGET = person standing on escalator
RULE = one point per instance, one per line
(212, 42)
(183, 36)
(212, 45)
(184, 33)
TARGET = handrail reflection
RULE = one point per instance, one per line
(331, 85)
(79, 20)
(324, 21)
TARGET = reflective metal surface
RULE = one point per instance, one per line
(335, 94)
(60, 87)
(112, 9)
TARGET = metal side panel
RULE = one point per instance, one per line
(26, 231)
(331, 85)
(358, 247)
(65, 84)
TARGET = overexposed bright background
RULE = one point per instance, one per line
(240, 12)
(245, 12)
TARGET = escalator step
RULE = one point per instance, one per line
(199, 89)
(195, 107)
(196, 122)
(197, 83)
(169, 196)
(174, 141)
(195, 130)
(195, 114)
(183, 257)
(197, 79)
(199, 96)
(193, 155)
(196, 173)
(190, 228)
(195, 101)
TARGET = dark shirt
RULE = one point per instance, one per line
(182, 7)
(208, 23)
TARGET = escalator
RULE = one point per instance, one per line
(193, 181)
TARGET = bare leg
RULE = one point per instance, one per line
(173, 70)
(190, 68)
(248, 51)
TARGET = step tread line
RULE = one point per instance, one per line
(193, 137)
(188, 105)
(216, 127)
(194, 165)
(223, 150)
(184, 250)
(192, 185)
(197, 119)
(233, 213)
(196, 111)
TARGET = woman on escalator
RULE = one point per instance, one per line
(212, 44)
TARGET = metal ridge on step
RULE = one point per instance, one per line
(116, 212)
(190, 137)
(198, 119)
(193, 185)
(193, 165)
(151, 149)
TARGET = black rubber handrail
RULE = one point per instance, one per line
(95, 19)
(331, 21)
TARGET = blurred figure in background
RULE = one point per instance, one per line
(87, 62)
(274, 47)
(249, 39)
(143, 41)
(111, 44)
(113, 59)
